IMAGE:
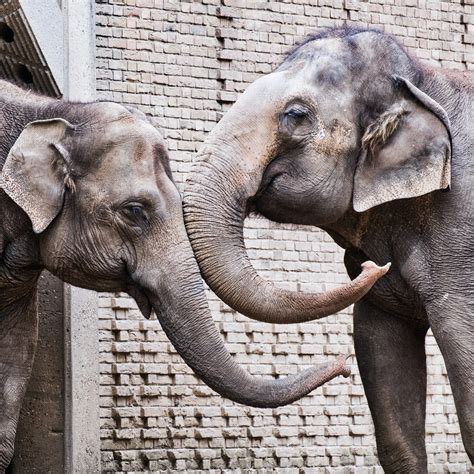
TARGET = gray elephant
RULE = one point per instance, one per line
(354, 136)
(86, 192)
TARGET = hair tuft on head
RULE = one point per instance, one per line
(379, 131)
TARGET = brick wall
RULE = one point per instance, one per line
(184, 63)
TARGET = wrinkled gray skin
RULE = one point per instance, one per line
(352, 135)
(86, 192)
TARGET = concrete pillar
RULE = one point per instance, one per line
(59, 430)
(79, 48)
(82, 416)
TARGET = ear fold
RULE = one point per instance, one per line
(35, 174)
(406, 152)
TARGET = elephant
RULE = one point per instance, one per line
(353, 135)
(86, 193)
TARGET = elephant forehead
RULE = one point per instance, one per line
(128, 129)
(328, 60)
(126, 141)
(123, 167)
(129, 163)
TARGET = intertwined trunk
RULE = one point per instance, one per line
(171, 280)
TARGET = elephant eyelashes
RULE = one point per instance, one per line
(296, 114)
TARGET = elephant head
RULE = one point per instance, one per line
(339, 127)
(107, 216)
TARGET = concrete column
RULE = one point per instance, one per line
(81, 363)
(59, 430)
(82, 416)
(79, 48)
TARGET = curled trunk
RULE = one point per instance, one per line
(228, 173)
(215, 203)
(181, 306)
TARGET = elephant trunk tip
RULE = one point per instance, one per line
(339, 367)
(326, 372)
(341, 361)
(372, 267)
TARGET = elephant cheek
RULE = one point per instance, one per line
(299, 201)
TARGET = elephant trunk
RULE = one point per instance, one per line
(179, 301)
(227, 174)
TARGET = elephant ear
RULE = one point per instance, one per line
(35, 174)
(406, 151)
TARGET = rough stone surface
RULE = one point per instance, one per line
(81, 387)
(183, 63)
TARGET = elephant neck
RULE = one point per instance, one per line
(350, 230)
(20, 267)
(20, 260)
(371, 232)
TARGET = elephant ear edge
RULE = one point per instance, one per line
(36, 172)
(406, 151)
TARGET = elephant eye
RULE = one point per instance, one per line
(296, 121)
(296, 113)
(135, 211)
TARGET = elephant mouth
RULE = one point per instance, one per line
(269, 178)
(264, 193)
(142, 300)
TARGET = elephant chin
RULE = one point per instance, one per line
(143, 303)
